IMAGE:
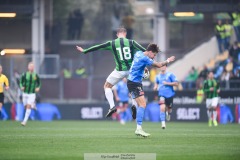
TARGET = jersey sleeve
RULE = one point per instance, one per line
(22, 80)
(148, 61)
(38, 84)
(173, 78)
(103, 46)
(205, 86)
(6, 82)
(137, 46)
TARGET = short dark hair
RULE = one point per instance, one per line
(153, 47)
(121, 29)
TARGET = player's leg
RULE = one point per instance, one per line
(134, 103)
(134, 108)
(109, 95)
(140, 114)
(168, 112)
(162, 111)
(137, 93)
(209, 111)
(27, 114)
(123, 114)
(120, 112)
(214, 110)
(112, 79)
(169, 104)
(28, 101)
(24, 100)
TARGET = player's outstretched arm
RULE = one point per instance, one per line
(160, 64)
(103, 46)
(137, 46)
(170, 83)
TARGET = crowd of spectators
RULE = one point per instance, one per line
(226, 71)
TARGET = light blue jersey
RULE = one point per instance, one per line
(165, 90)
(122, 91)
(136, 71)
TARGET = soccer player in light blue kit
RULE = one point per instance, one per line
(140, 61)
(122, 96)
(164, 84)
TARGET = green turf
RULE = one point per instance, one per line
(71, 139)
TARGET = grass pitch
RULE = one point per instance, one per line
(71, 139)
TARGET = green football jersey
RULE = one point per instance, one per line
(209, 84)
(123, 50)
(30, 81)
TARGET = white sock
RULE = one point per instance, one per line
(27, 114)
(163, 123)
(209, 115)
(214, 115)
(139, 126)
(109, 96)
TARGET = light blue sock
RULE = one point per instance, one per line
(125, 116)
(122, 115)
(140, 114)
(162, 116)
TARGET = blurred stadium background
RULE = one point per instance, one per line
(47, 31)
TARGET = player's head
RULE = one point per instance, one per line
(30, 67)
(210, 75)
(121, 32)
(0, 69)
(152, 50)
(163, 69)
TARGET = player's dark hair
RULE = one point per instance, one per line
(121, 29)
(153, 47)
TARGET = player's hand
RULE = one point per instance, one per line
(37, 89)
(211, 89)
(171, 59)
(155, 88)
(79, 48)
(165, 83)
(218, 91)
(7, 87)
(22, 88)
(146, 69)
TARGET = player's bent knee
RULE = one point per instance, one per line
(162, 109)
(142, 104)
(107, 85)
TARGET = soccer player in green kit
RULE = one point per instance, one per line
(30, 84)
(123, 50)
(211, 89)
